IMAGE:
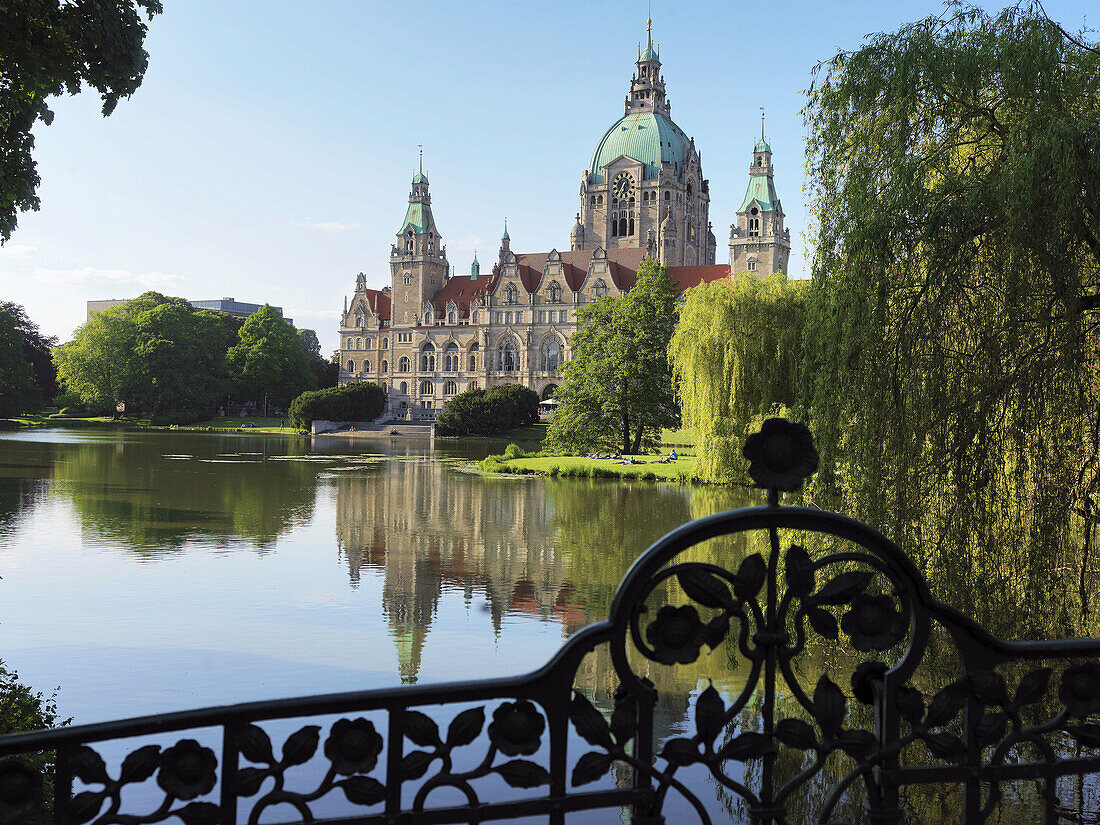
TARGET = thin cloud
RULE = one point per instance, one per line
(315, 313)
(327, 226)
(92, 275)
(470, 243)
(14, 250)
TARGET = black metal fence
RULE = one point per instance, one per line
(1009, 730)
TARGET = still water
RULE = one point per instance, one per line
(147, 572)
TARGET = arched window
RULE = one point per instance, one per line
(450, 358)
(555, 293)
(450, 388)
(622, 226)
(451, 317)
(473, 356)
(509, 355)
(630, 229)
(614, 224)
(752, 264)
(403, 364)
(427, 358)
(426, 388)
(409, 243)
(510, 294)
(385, 366)
(349, 344)
(404, 387)
(667, 195)
(358, 343)
(385, 343)
(351, 365)
(366, 366)
(599, 200)
(472, 385)
(600, 289)
(553, 354)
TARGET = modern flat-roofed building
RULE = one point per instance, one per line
(230, 306)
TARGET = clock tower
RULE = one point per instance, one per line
(645, 170)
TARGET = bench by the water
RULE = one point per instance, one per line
(954, 731)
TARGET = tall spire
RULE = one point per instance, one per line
(761, 122)
(505, 236)
(647, 87)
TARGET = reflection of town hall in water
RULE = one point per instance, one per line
(431, 334)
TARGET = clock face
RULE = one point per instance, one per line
(624, 186)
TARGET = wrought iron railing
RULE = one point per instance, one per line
(791, 745)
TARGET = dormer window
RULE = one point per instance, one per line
(600, 290)
(555, 293)
(510, 294)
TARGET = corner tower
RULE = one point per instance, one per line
(644, 170)
(759, 242)
(418, 261)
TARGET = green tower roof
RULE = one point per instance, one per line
(418, 218)
(420, 177)
(648, 137)
(762, 146)
(762, 190)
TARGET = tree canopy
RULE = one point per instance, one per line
(269, 358)
(617, 388)
(736, 355)
(36, 347)
(48, 48)
(18, 390)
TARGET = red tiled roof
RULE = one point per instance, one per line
(380, 303)
(685, 277)
(460, 289)
(624, 266)
(530, 276)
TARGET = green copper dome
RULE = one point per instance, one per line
(645, 136)
(420, 177)
(762, 146)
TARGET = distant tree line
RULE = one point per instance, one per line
(157, 356)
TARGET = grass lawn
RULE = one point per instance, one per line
(580, 467)
(24, 422)
(683, 437)
(263, 424)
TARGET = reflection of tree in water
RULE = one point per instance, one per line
(17, 497)
(129, 491)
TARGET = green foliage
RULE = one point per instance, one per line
(36, 347)
(486, 412)
(153, 354)
(513, 451)
(269, 358)
(361, 401)
(951, 331)
(177, 361)
(18, 390)
(736, 355)
(617, 389)
(51, 48)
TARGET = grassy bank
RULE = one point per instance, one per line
(258, 424)
(580, 467)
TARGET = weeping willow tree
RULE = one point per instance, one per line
(735, 355)
(950, 339)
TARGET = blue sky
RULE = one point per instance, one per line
(268, 153)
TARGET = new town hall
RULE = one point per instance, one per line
(431, 334)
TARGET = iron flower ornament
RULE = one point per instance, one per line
(353, 746)
(781, 455)
(517, 728)
(187, 770)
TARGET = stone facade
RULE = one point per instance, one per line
(432, 334)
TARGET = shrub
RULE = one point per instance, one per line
(513, 451)
(485, 412)
(362, 401)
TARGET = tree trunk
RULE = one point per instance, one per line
(626, 432)
(637, 448)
